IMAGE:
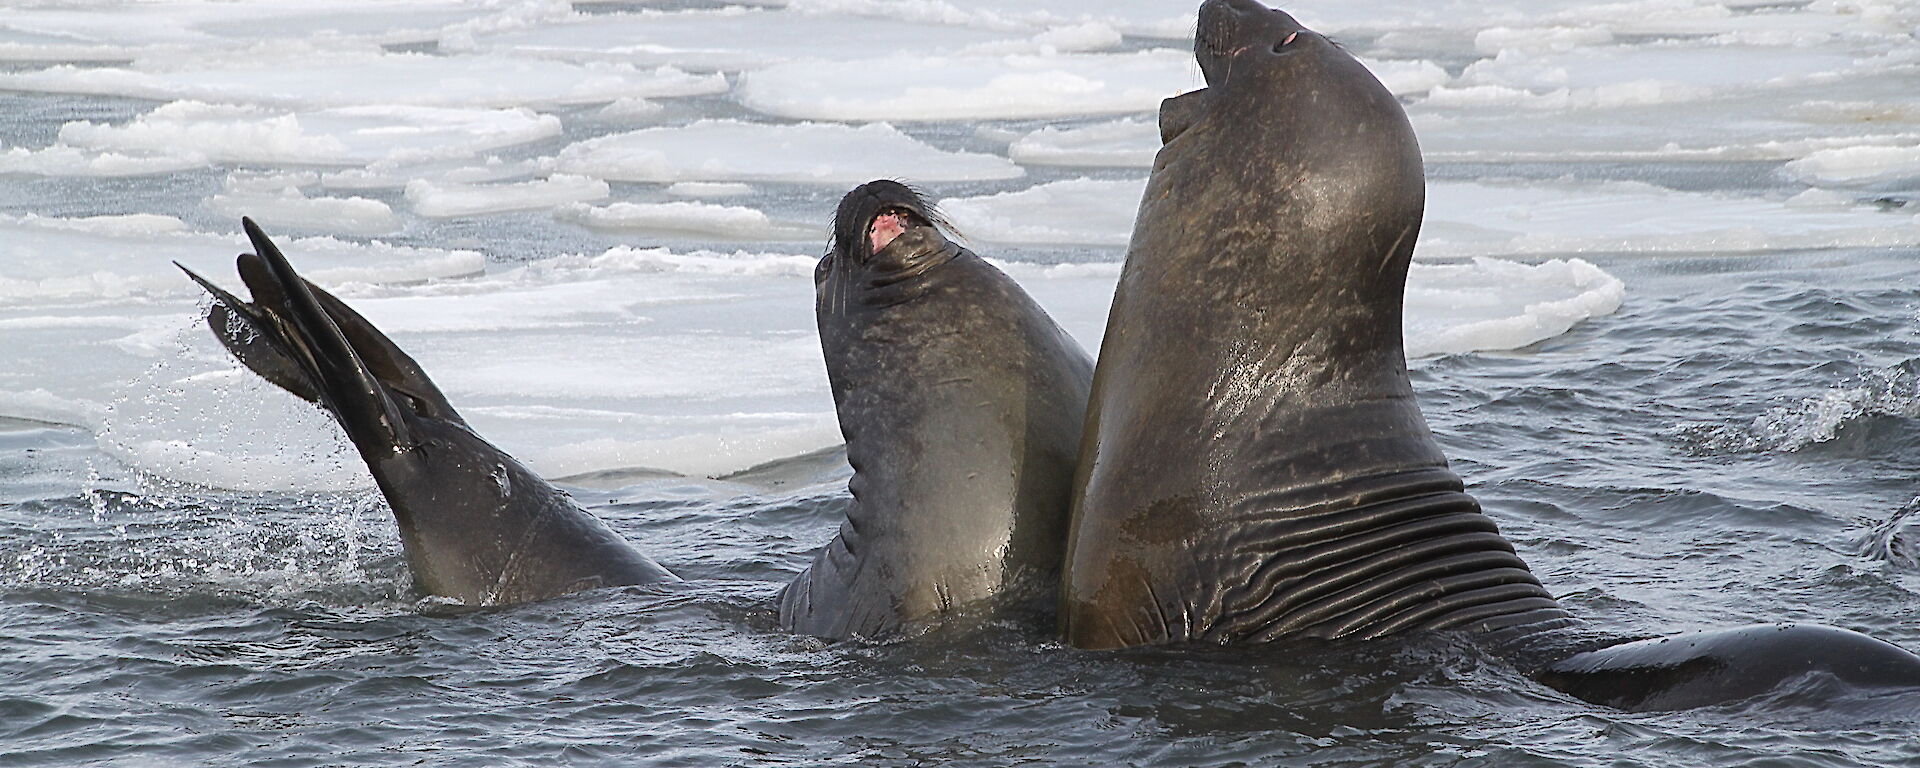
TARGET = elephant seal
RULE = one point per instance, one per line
(477, 525)
(961, 403)
(1255, 466)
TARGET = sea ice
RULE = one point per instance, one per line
(130, 25)
(1599, 78)
(387, 174)
(734, 39)
(1859, 166)
(63, 160)
(1077, 211)
(705, 189)
(451, 199)
(329, 77)
(342, 136)
(954, 87)
(1494, 218)
(1140, 18)
(289, 208)
(1128, 142)
(1490, 304)
(724, 222)
(819, 153)
(1486, 219)
(129, 256)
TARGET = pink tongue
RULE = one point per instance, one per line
(885, 228)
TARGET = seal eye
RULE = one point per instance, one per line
(1288, 41)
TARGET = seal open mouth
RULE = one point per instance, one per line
(875, 214)
(889, 224)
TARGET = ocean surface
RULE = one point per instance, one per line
(1664, 318)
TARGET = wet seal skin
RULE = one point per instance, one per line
(1255, 467)
(477, 525)
(961, 403)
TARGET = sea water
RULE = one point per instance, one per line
(1662, 316)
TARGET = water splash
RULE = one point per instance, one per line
(1888, 392)
(163, 539)
(1891, 540)
(197, 416)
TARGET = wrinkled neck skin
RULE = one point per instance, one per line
(855, 282)
(1256, 334)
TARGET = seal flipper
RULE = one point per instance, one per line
(1698, 669)
(255, 340)
(389, 364)
(347, 386)
(476, 524)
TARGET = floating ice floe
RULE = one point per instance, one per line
(1439, 18)
(731, 150)
(1490, 304)
(736, 264)
(1598, 78)
(1077, 211)
(734, 39)
(723, 222)
(1491, 218)
(342, 136)
(63, 160)
(631, 109)
(1140, 18)
(957, 87)
(387, 174)
(129, 27)
(1809, 24)
(705, 189)
(1128, 142)
(448, 199)
(949, 87)
(290, 209)
(111, 31)
(326, 78)
(1479, 219)
(1859, 166)
(129, 257)
(1775, 102)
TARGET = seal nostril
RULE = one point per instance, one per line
(1286, 42)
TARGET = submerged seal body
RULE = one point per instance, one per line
(961, 403)
(1255, 466)
(477, 525)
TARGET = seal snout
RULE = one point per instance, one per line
(1229, 29)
